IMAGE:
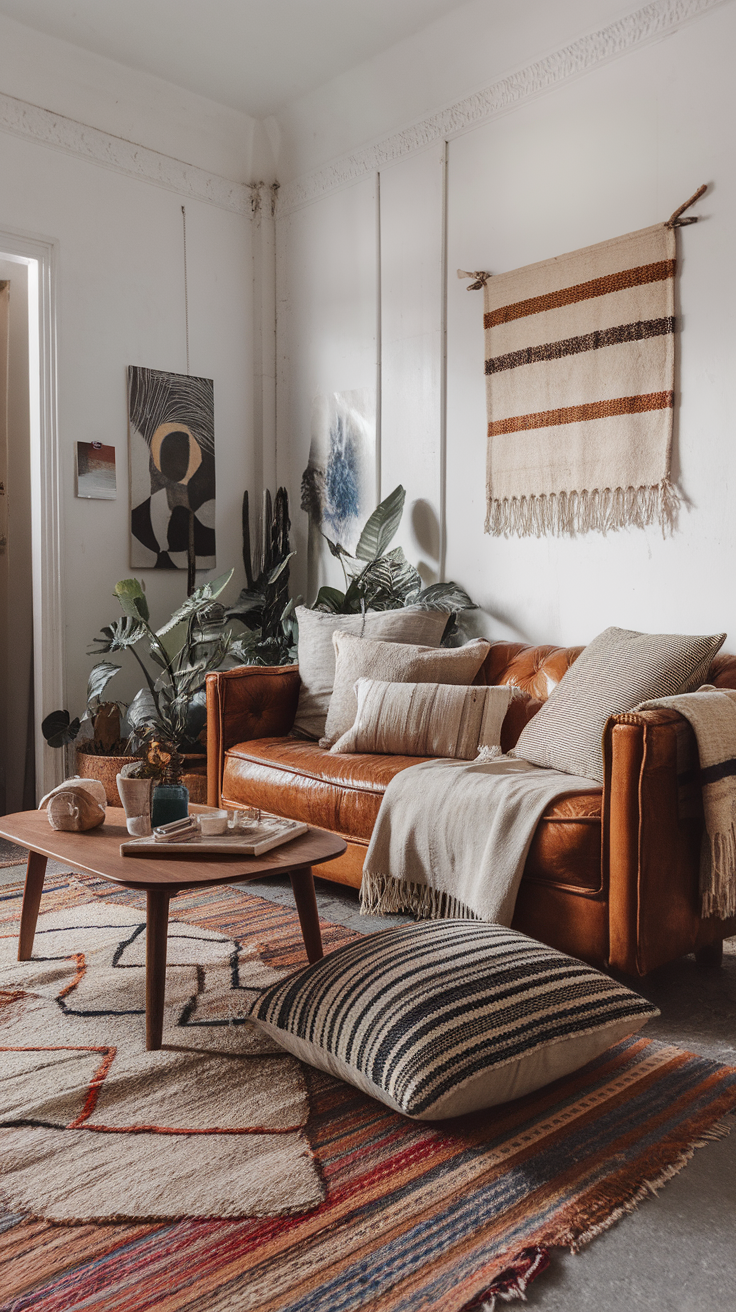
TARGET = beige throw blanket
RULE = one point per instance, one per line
(712, 714)
(452, 837)
(579, 363)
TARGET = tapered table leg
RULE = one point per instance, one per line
(157, 928)
(35, 872)
(302, 883)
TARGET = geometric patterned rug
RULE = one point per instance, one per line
(402, 1216)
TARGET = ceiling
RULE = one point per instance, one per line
(253, 55)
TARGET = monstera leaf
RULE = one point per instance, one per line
(118, 635)
(381, 526)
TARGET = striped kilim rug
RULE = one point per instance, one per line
(447, 1216)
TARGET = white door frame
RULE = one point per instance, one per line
(49, 681)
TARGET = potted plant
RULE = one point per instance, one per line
(174, 661)
(379, 579)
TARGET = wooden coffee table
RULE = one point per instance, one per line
(98, 853)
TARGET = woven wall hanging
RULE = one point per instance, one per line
(580, 378)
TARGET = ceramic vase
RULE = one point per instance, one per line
(135, 795)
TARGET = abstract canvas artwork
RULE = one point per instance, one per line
(339, 482)
(96, 471)
(172, 468)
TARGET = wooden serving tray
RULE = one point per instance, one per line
(251, 842)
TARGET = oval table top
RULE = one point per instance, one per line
(97, 851)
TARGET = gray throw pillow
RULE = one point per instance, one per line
(317, 655)
(616, 671)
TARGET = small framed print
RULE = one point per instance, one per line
(96, 471)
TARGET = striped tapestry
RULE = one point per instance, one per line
(579, 362)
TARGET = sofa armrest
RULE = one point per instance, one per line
(252, 701)
(652, 825)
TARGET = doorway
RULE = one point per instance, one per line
(17, 747)
(33, 653)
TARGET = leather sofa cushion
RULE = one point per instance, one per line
(343, 793)
(305, 782)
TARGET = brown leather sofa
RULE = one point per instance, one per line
(611, 877)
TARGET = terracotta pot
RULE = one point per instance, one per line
(106, 769)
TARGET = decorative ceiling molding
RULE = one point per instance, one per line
(654, 20)
(30, 121)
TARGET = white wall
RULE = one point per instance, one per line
(327, 308)
(594, 157)
(121, 302)
(136, 106)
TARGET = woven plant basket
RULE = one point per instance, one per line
(106, 768)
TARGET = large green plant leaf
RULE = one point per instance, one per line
(390, 582)
(99, 677)
(199, 600)
(381, 526)
(445, 596)
(132, 598)
(279, 569)
(58, 728)
(330, 599)
(118, 635)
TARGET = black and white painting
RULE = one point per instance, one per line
(172, 468)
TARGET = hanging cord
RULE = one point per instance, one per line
(186, 284)
(674, 221)
(480, 277)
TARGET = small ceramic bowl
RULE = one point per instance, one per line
(212, 822)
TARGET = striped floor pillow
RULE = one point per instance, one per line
(445, 1017)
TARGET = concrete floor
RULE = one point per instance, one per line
(676, 1252)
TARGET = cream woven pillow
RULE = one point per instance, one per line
(616, 671)
(426, 719)
(317, 655)
(393, 662)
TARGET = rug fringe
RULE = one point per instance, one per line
(382, 895)
(600, 510)
(649, 1188)
(513, 1281)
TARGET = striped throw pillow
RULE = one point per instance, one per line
(393, 662)
(426, 719)
(449, 1016)
(612, 675)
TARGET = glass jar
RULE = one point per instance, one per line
(169, 802)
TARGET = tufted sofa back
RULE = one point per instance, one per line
(537, 670)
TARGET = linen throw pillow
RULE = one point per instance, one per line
(317, 655)
(393, 662)
(611, 675)
(426, 719)
(448, 1016)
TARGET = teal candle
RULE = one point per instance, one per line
(169, 802)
